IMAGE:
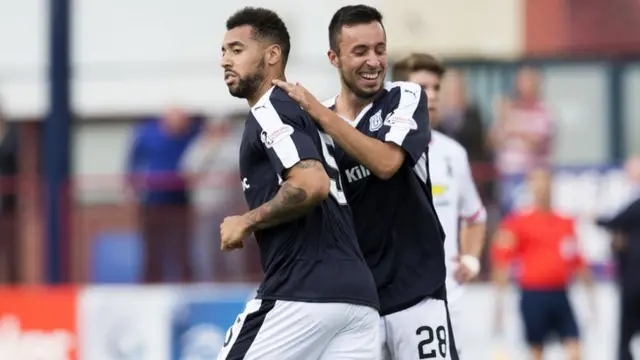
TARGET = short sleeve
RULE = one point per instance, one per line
(286, 135)
(407, 124)
(471, 208)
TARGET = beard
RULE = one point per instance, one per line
(249, 84)
(360, 93)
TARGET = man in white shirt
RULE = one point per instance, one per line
(456, 199)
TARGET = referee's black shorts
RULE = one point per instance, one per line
(546, 313)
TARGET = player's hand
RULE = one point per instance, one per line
(468, 268)
(233, 230)
(302, 96)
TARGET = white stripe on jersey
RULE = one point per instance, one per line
(409, 99)
(270, 121)
(421, 168)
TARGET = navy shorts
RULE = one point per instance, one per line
(547, 313)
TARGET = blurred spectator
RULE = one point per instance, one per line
(211, 163)
(9, 246)
(545, 246)
(153, 165)
(461, 120)
(632, 168)
(522, 135)
(626, 248)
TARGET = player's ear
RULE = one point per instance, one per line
(333, 58)
(273, 55)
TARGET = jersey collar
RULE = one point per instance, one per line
(331, 104)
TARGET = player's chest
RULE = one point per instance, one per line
(369, 122)
(256, 173)
(549, 236)
(444, 185)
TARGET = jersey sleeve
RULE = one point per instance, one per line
(471, 208)
(285, 136)
(407, 124)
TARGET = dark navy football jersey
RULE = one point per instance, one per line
(315, 258)
(395, 220)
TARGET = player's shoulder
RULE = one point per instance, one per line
(400, 87)
(403, 95)
(276, 108)
(443, 142)
(520, 214)
(564, 219)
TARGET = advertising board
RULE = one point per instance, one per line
(38, 323)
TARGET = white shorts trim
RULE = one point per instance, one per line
(283, 330)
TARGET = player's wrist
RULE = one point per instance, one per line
(249, 224)
(471, 262)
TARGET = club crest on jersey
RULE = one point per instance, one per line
(401, 122)
(274, 137)
(375, 122)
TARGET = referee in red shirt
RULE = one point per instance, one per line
(544, 246)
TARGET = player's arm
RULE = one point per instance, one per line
(296, 160)
(502, 252)
(621, 224)
(305, 186)
(474, 216)
(584, 273)
(404, 132)
(503, 249)
(383, 159)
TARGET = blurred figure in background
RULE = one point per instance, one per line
(9, 245)
(522, 135)
(545, 246)
(626, 249)
(461, 120)
(153, 166)
(211, 164)
(456, 200)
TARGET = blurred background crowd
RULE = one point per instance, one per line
(154, 134)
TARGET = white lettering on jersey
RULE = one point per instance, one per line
(275, 136)
(245, 184)
(401, 122)
(356, 173)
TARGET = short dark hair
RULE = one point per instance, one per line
(416, 62)
(265, 24)
(348, 16)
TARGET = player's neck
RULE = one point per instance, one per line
(543, 206)
(265, 86)
(349, 105)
